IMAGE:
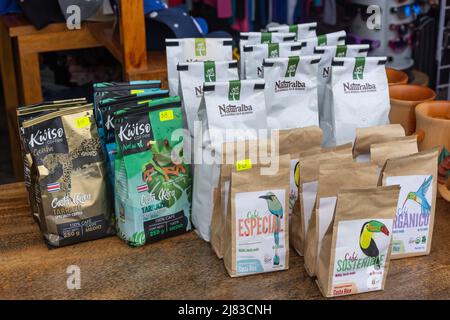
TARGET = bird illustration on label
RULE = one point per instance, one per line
(366, 238)
(275, 207)
(420, 196)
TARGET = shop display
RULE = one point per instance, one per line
(252, 38)
(73, 200)
(365, 137)
(193, 49)
(332, 178)
(152, 191)
(291, 91)
(355, 253)
(397, 147)
(327, 53)
(228, 109)
(308, 172)
(302, 31)
(355, 80)
(256, 232)
(413, 225)
(255, 54)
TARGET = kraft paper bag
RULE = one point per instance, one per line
(398, 147)
(355, 253)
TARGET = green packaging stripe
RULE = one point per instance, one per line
(358, 72)
(291, 69)
(234, 90)
(273, 50)
(341, 51)
(266, 37)
(322, 40)
(210, 71)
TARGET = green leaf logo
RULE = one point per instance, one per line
(210, 71)
(294, 29)
(322, 40)
(200, 47)
(266, 37)
(358, 72)
(234, 90)
(292, 66)
(274, 50)
(341, 51)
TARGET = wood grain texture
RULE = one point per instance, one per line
(183, 267)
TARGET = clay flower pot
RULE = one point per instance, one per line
(433, 128)
(396, 77)
(404, 99)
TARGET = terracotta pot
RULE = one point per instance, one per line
(396, 77)
(404, 99)
(420, 78)
(433, 128)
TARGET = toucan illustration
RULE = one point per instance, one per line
(366, 241)
(276, 209)
(420, 198)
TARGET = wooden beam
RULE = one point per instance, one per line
(132, 36)
(11, 96)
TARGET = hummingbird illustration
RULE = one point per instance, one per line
(419, 197)
(276, 209)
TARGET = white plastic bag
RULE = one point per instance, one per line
(302, 31)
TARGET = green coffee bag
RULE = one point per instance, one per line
(153, 186)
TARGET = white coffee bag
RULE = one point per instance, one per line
(329, 39)
(357, 95)
(255, 55)
(194, 49)
(291, 92)
(327, 54)
(302, 31)
(229, 111)
(249, 38)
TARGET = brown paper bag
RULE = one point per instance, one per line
(294, 142)
(413, 225)
(399, 147)
(257, 223)
(356, 249)
(249, 152)
(308, 176)
(332, 178)
(365, 137)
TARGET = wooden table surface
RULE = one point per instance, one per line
(183, 267)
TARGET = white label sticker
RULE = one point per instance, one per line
(411, 226)
(361, 251)
(260, 231)
(309, 200)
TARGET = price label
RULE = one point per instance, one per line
(243, 165)
(137, 91)
(82, 122)
(166, 115)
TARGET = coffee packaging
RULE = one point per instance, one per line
(194, 49)
(229, 111)
(332, 178)
(357, 95)
(327, 53)
(355, 253)
(365, 137)
(329, 39)
(251, 38)
(72, 195)
(291, 92)
(398, 147)
(413, 225)
(192, 77)
(153, 186)
(256, 232)
(308, 172)
(255, 55)
(302, 31)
